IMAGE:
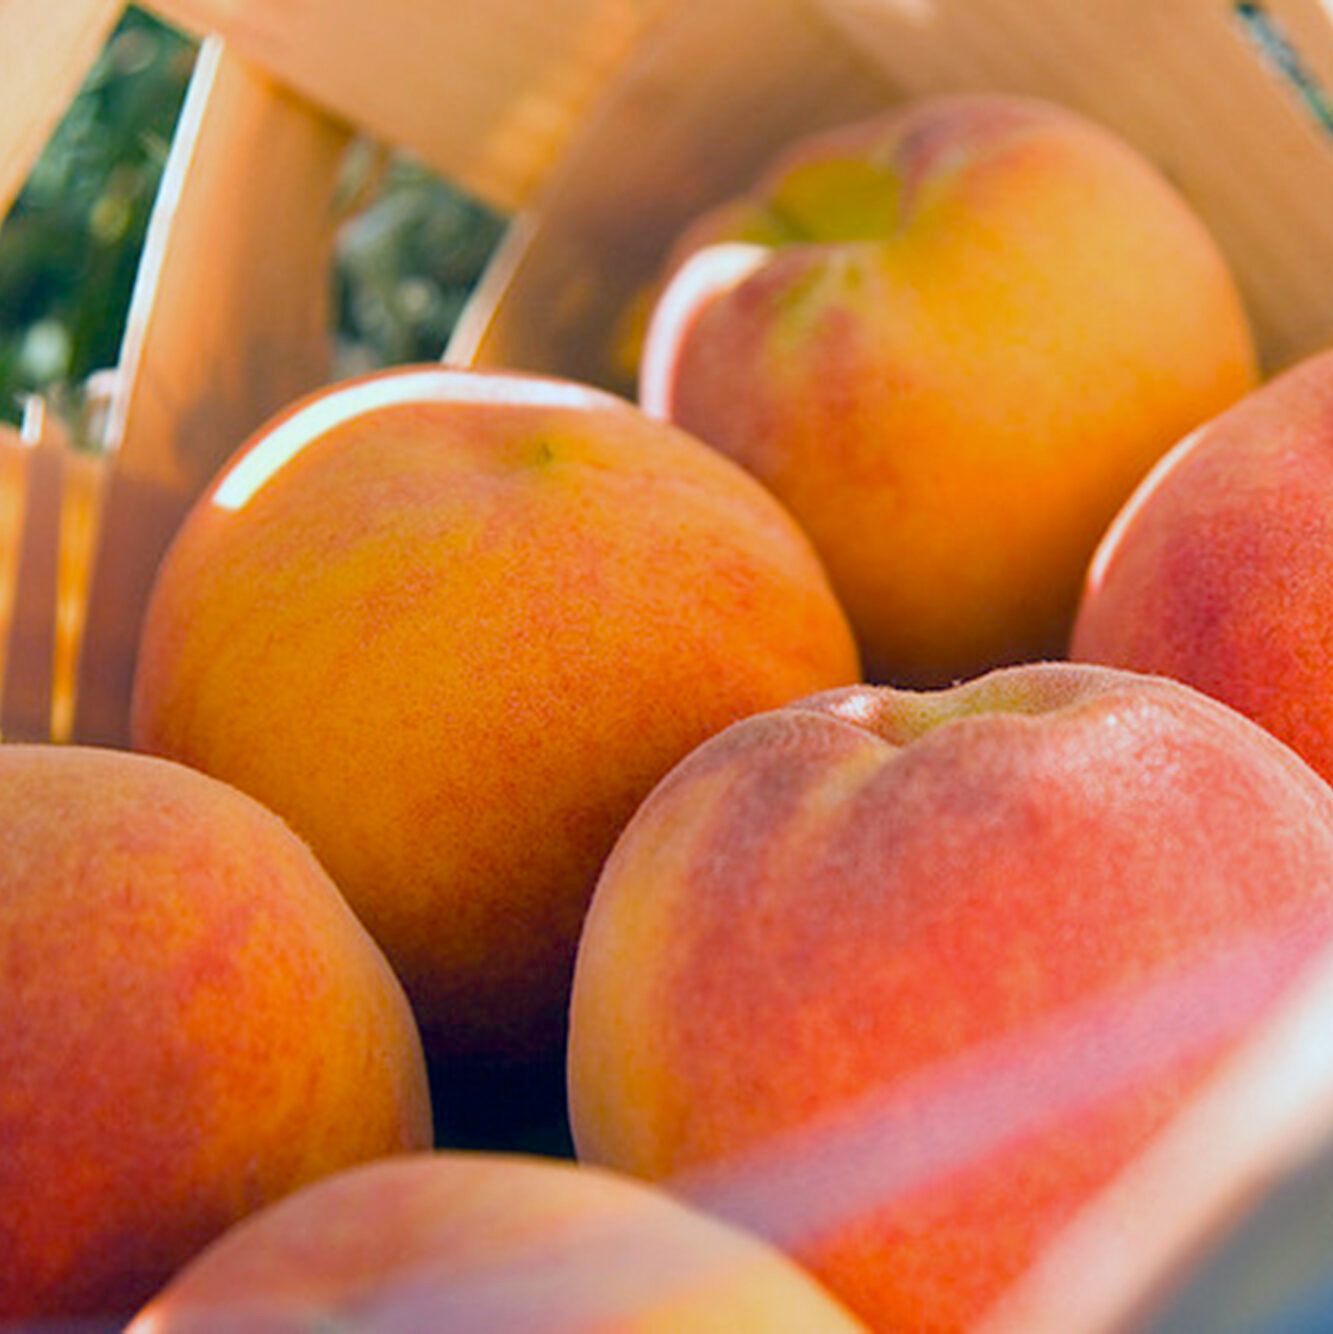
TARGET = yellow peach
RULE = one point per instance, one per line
(489, 1242)
(453, 626)
(957, 335)
(195, 1024)
(901, 980)
(1219, 570)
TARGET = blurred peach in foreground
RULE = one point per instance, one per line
(858, 921)
(478, 1244)
(453, 626)
(951, 339)
(194, 1025)
(1219, 571)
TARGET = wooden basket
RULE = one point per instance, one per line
(602, 125)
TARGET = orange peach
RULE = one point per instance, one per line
(859, 973)
(194, 1025)
(453, 626)
(489, 1243)
(954, 338)
(1219, 571)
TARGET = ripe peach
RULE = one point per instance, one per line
(194, 1025)
(453, 626)
(465, 1242)
(837, 917)
(1219, 571)
(955, 338)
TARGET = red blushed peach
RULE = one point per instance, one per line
(489, 1244)
(1219, 571)
(956, 337)
(877, 904)
(194, 1024)
(453, 627)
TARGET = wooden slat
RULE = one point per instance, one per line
(1183, 81)
(484, 91)
(717, 89)
(48, 50)
(1267, 1269)
(228, 323)
(83, 478)
(25, 701)
(1308, 27)
(13, 503)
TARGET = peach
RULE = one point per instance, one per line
(920, 925)
(194, 1025)
(486, 1242)
(954, 339)
(1219, 571)
(453, 626)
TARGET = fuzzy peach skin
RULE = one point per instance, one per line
(1219, 571)
(955, 338)
(484, 1243)
(453, 626)
(844, 899)
(194, 1024)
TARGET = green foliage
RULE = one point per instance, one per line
(70, 247)
(405, 266)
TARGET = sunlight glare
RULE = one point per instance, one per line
(276, 448)
(1146, 489)
(707, 274)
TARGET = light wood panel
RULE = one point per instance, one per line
(717, 89)
(229, 321)
(50, 507)
(35, 465)
(485, 91)
(13, 502)
(83, 485)
(48, 47)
